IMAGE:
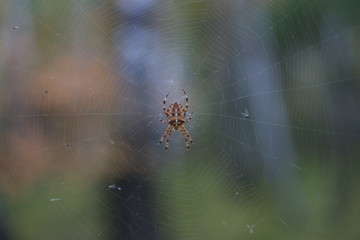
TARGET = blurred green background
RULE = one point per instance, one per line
(82, 85)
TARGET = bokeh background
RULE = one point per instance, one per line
(274, 93)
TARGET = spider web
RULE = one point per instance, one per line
(273, 90)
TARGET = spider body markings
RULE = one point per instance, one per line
(176, 119)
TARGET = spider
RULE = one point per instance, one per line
(176, 119)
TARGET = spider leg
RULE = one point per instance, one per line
(163, 121)
(168, 137)
(163, 137)
(186, 101)
(187, 120)
(186, 136)
(164, 104)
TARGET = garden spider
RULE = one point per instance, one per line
(176, 119)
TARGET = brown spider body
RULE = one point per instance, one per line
(176, 119)
(177, 115)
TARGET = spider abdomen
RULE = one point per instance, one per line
(176, 123)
